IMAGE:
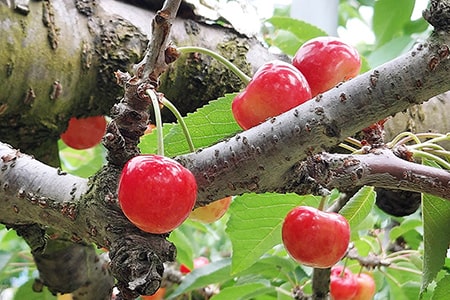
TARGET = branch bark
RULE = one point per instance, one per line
(264, 158)
(243, 163)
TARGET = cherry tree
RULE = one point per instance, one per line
(289, 160)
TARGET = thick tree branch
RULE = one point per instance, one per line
(381, 168)
(260, 158)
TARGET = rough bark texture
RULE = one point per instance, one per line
(72, 74)
(264, 158)
(317, 125)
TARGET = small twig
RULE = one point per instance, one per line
(154, 63)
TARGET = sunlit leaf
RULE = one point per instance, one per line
(25, 291)
(149, 142)
(389, 18)
(207, 125)
(184, 249)
(390, 50)
(255, 224)
(296, 33)
(404, 227)
(4, 259)
(244, 291)
(359, 206)
(215, 272)
(441, 290)
(436, 233)
(436, 223)
(83, 163)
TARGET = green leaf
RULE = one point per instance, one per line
(184, 248)
(365, 66)
(296, 33)
(436, 232)
(390, 50)
(255, 224)
(25, 291)
(272, 266)
(208, 125)
(404, 227)
(4, 259)
(389, 18)
(416, 26)
(213, 273)
(83, 163)
(359, 206)
(286, 41)
(149, 142)
(441, 290)
(243, 291)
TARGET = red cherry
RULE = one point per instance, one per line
(198, 262)
(366, 287)
(315, 238)
(156, 193)
(84, 133)
(274, 89)
(326, 61)
(211, 212)
(343, 284)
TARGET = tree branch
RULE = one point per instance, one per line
(381, 168)
(260, 158)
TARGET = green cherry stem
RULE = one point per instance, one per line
(181, 121)
(436, 159)
(190, 49)
(159, 125)
(322, 202)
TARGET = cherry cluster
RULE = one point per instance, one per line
(345, 285)
(277, 86)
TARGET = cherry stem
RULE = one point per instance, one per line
(159, 125)
(322, 203)
(192, 49)
(423, 154)
(181, 121)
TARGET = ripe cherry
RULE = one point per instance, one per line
(275, 88)
(315, 238)
(198, 262)
(84, 133)
(211, 212)
(326, 61)
(343, 284)
(156, 193)
(366, 287)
